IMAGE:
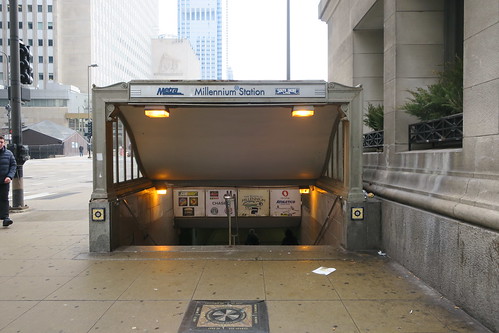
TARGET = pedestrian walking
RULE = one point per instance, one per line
(80, 148)
(289, 238)
(8, 167)
(252, 238)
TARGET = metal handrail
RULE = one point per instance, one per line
(145, 234)
(325, 226)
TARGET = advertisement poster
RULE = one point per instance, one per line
(188, 202)
(285, 202)
(253, 202)
(215, 202)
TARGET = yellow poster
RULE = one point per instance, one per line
(253, 202)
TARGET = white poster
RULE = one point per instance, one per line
(188, 202)
(215, 201)
(285, 202)
(253, 202)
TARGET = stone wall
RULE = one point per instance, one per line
(457, 259)
(326, 219)
(440, 211)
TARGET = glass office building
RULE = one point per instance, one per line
(200, 21)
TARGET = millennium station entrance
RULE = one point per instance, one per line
(214, 162)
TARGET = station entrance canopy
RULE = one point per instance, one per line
(221, 133)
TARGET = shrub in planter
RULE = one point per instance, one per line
(374, 117)
(441, 99)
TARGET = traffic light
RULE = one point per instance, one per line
(26, 71)
(89, 129)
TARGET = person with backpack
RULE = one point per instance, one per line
(8, 167)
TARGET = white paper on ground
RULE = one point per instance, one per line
(324, 270)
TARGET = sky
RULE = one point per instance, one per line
(257, 38)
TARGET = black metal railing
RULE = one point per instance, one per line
(45, 151)
(445, 132)
(373, 141)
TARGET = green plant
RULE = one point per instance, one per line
(441, 99)
(374, 116)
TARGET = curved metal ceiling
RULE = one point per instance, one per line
(231, 142)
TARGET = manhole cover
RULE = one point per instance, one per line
(207, 316)
(226, 315)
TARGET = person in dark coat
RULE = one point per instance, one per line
(252, 238)
(8, 167)
(289, 238)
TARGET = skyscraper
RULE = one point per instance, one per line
(36, 29)
(114, 34)
(200, 21)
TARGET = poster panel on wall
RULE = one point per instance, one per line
(215, 201)
(285, 202)
(188, 202)
(253, 202)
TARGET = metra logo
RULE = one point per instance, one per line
(287, 91)
(169, 91)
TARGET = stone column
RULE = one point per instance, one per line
(368, 66)
(481, 84)
(414, 52)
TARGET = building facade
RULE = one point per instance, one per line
(200, 21)
(67, 36)
(115, 35)
(174, 59)
(440, 207)
(36, 29)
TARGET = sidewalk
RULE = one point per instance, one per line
(50, 283)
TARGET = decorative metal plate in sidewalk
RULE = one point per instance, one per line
(221, 316)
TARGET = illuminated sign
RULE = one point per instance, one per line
(238, 90)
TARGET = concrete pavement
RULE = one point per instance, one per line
(50, 283)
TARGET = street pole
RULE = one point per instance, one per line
(228, 199)
(88, 107)
(288, 38)
(15, 93)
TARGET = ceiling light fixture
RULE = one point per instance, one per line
(161, 188)
(155, 111)
(302, 111)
